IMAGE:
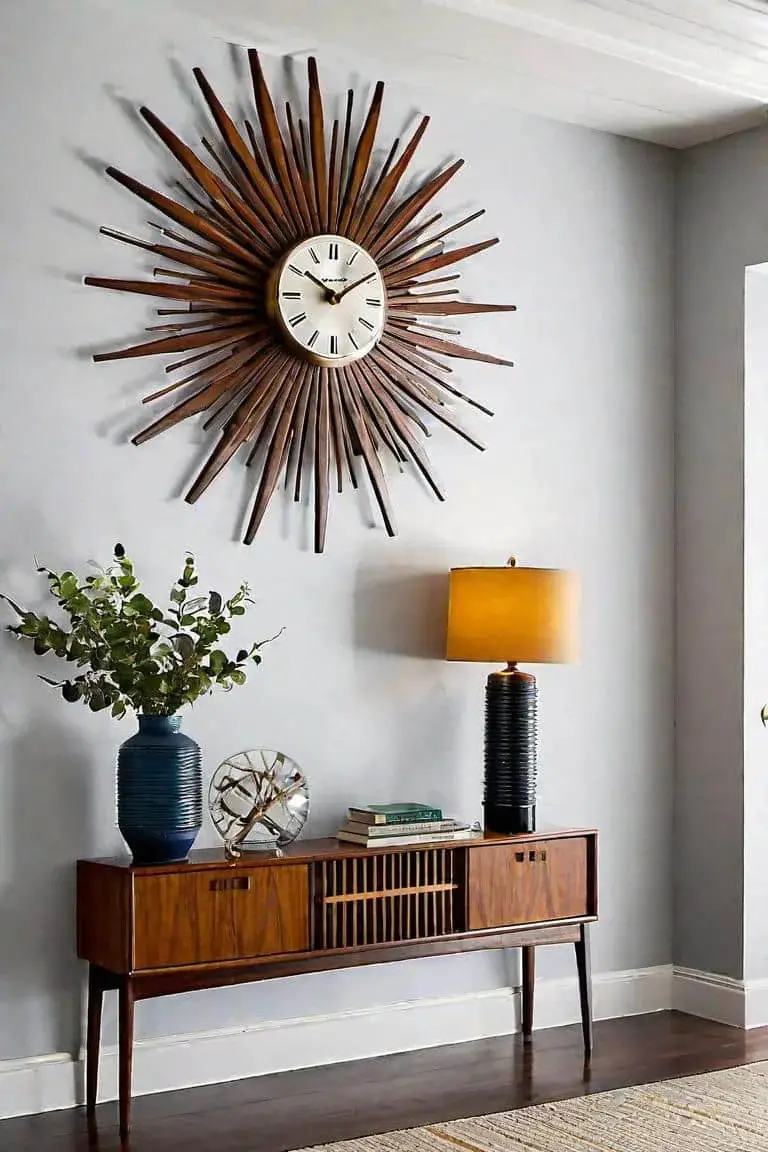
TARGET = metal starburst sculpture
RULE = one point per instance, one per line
(286, 385)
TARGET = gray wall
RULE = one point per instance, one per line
(578, 472)
(722, 227)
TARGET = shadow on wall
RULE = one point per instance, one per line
(402, 611)
(46, 820)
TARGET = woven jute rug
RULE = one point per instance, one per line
(716, 1112)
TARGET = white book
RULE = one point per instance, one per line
(402, 841)
(385, 831)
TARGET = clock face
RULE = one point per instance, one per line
(329, 300)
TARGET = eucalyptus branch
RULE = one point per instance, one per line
(134, 654)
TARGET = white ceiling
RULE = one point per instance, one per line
(675, 72)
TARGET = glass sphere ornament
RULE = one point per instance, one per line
(258, 800)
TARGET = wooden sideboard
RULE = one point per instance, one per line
(156, 930)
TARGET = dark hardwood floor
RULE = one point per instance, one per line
(314, 1106)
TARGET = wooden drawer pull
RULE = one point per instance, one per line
(230, 884)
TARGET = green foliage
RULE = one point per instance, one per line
(134, 654)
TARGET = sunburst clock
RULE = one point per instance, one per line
(304, 300)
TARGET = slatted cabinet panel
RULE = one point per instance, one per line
(382, 899)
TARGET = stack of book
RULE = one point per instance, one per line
(393, 825)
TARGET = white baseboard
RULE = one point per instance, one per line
(628, 993)
(743, 1004)
(756, 1012)
(709, 995)
(46, 1083)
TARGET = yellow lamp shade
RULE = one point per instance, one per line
(516, 615)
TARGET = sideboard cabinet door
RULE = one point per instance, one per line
(528, 883)
(199, 917)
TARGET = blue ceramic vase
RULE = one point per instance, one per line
(159, 791)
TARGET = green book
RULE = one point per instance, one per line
(394, 813)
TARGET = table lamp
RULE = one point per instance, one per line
(516, 615)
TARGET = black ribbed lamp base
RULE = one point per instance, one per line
(510, 752)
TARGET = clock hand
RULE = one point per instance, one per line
(357, 283)
(330, 295)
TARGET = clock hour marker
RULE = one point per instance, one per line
(296, 270)
(333, 251)
(374, 301)
(312, 338)
(352, 340)
(294, 320)
(314, 256)
(352, 258)
(333, 345)
(291, 295)
(365, 323)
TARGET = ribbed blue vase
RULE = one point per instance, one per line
(159, 791)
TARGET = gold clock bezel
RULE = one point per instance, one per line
(276, 317)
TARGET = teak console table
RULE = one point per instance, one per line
(207, 922)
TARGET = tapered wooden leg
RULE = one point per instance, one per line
(584, 965)
(529, 968)
(93, 1037)
(126, 998)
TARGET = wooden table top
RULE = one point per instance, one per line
(306, 851)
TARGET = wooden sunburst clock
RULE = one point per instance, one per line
(304, 300)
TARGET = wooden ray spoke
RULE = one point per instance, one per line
(404, 239)
(342, 434)
(413, 448)
(362, 158)
(300, 178)
(317, 141)
(446, 308)
(413, 324)
(277, 228)
(216, 268)
(381, 375)
(273, 138)
(395, 258)
(448, 348)
(189, 407)
(352, 405)
(191, 220)
(190, 292)
(265, 230)
(362, 204)
(234, 356)
(411, 207)
(375, 414)
(386, 189)
(334, 179)
(230, 205)
(402, 355)
(322, 459)
(344, 159)
(278, 448)
(307, 431)
(265, 382)
(183, 343)
(410, 285)
(443, 260)
(337, 430)
(407, 385)
(239, 151)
